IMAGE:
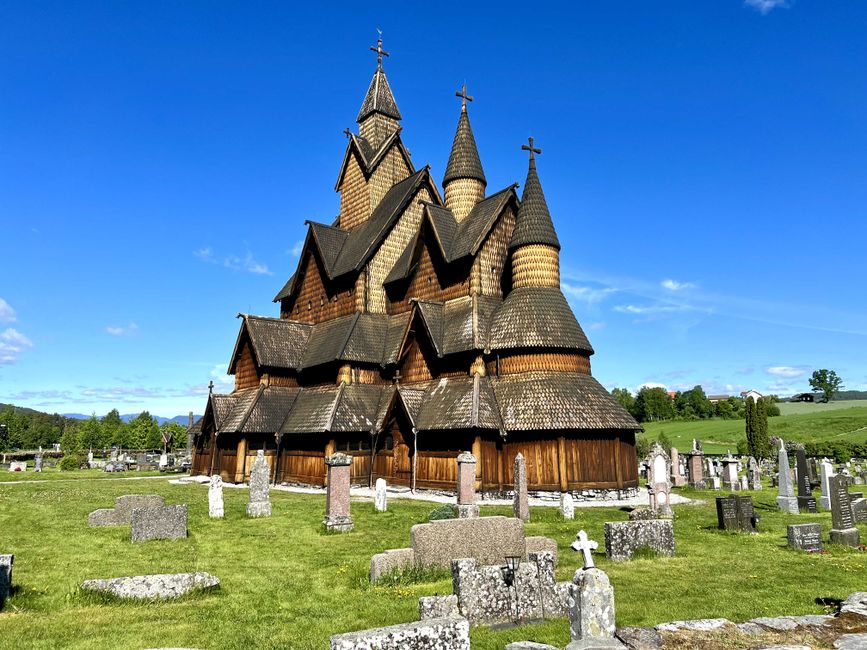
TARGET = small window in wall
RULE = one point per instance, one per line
(429, 279)
(321, 300)
(389, 443)
(309, 305)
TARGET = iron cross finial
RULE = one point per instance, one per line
(378, 49)
(462, 93)
(347, 132)
(210, 387)
(397, 376)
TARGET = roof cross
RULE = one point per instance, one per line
(533, 150)
(210, 387)
(397, 376)
(347, 132)
(583, 544)
(379, 51)
(462, 93)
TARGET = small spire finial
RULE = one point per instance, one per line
(533, 150)
(347, 132)
(378, 49)
(462, 93)
(210, 387)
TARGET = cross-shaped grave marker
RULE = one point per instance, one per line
(585, 546)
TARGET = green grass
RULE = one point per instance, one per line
(54, 474)
(815, 422)
(286, 584)
(799, 408)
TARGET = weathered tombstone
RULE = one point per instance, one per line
(843, 530)
(695, 466)
(260, 487)
(806, 500)
(337, 507)
(430, 634)
(380, 499)
(521, 502)
(169, 522)
(730, 480)
(755, 474)
(6, 561)
(859, 510)
(18, 466)
(736, 513)
(164, 461)
(826, 471)
(215, 497)
(467, 507)
(591, 610)
(657, 481)
(37, 462)
(567, 505)
(786, 500)
(715, 483)
(624, 538)
(141, 462)
(113, 455)
(677, 479)
(745, 482)
(805, 537)
(812, 473)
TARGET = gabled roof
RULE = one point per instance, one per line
(379, 98)
(276, 342)
(431, 314)
(368, 157)
(533, 223)
(241, 408)
(464, 159)
(459, 403)
(270, 409)
(460, 324)
(536, 317)
(329, 241)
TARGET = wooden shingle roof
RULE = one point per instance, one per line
(379, 98)
(464, 159)
(533, 223)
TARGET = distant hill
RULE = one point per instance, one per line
(180, 419)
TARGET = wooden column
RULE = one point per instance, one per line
(477, 452)
(241, 460)
(561, 464)
(500, 470)
(619, 469)
(330, 447)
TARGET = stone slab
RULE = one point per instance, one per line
(121, 514)
(432, 634)
(169, 522)
(624, 538)
(778, 623)
(152, 587)
(851, 642)
(438, 607)
(640, 638)
(696, 625)
(6, 562)
(856, 603)
(529, 645)
(804, 537)
(539, 544)
(486, 539)
(389, 561)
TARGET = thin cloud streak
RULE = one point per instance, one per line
(765, 7)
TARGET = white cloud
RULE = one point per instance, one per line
(12, 343)
(642, 310)
(652, 384)
(764, 7)
(674, 285)
(129, 330)
(789, 372)
(7, 314)
(587, 294)
(248, 263)
(296, 249)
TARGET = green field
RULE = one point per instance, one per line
(287, 584)
(54, 474)
(846, 420)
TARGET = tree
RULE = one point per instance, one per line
(826, 382)
(175, 433)
(756, 427)
(144, 432)
(116, 430)
(625, 398)
(694, 403)
(653, 404)
(91, 434)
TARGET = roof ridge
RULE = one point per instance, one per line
(335, 406)
(250, 408)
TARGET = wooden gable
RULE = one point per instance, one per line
(315, 297)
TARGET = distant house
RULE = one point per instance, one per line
(756, 395)
(718, 398)
(803, 397)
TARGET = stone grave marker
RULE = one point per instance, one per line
(467, 507)
(745, 482)
(260, 487)
(806, 500)
(624, 538)
(735, 513)
(730, 480)
(380, 499)
(449, 633)
(826, 472)
(151, 587)
(121, 514)
(591, 610)
(695, 466)
(755, 474)
(843, 530)
(567, 505)
(657, 482)
(677, 479)
(17, 466)
(215, 497)
(6, 561)
(805, 537)
(521, 502)
(37, 462)
(859, 510)
(169, 522)
(786, 500)
(337, 505)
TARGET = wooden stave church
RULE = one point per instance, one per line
(419, 325)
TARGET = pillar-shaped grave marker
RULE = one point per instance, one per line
(467, 507)
(337, 512)
(260, 487)
(843, 530)
(521, 502)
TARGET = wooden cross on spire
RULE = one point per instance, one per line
(379, 51)
(462, 93)
(533, 151)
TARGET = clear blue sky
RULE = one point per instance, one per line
(704, 163)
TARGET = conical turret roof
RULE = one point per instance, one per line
(379, 98)
(464, 159)
(533, 223)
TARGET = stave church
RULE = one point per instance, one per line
(421, 323)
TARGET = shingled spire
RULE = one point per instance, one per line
(379, 114)
(534, 245)
(464, 181)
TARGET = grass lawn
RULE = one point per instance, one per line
(54, 474)
(812, 422)
(287, 584)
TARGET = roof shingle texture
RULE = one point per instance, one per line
(464, 159)
(533, 223)
(379, 98)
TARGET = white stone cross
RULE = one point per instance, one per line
(585, 546)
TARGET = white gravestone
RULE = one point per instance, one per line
(215, 497)
(827, 471)
(567, 505)
(380, 501)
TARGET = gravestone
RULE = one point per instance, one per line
(121, 514)
(337, 506)
(755, 474)
(260, 487)
(467, 506)
(521, 503)
(141, 462)
(805, 537)
(380, 499)
(215, 497)
(695, 465)
(736, 513)
(17, 466)
(591, 611)
(657, 481)
(164, 461)
(450, 633)
(169, 522)
(151, 587)
(843, 530)
(730, 480)
(715, 483)
(677, 479)
(745, 482)
(37, 462)
(6, 561)
(859, 510)
(567, 505)
(806, 500)
(826, 472)
(786, 500)
(624, 538)
(813, 473)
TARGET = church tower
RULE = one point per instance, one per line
(464, 181)
(379, 116)
(534, 245)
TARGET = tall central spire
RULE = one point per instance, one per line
(379, 98)
(464, 181)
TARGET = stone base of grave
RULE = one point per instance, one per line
(825, 503)
(731, 487)
(341, 523)
(468, 511)
(678, 481)
(433, 634)
(788, 504)
(807, 504)
(259, 509)
(595, 644)
(698, 485)
(165, 585)
(848, 537)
